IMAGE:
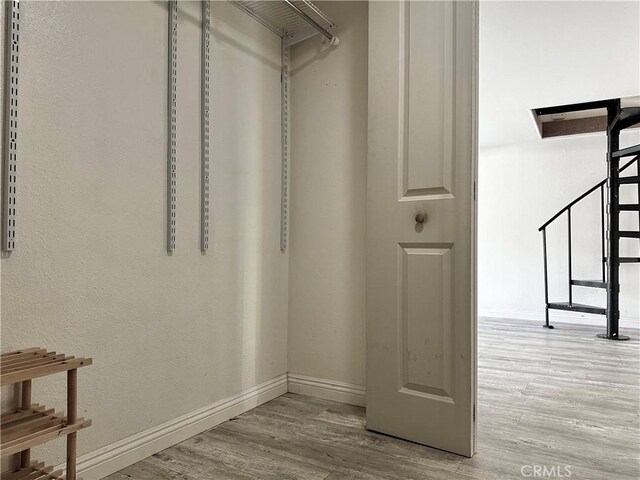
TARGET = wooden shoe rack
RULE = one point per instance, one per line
(33, 424)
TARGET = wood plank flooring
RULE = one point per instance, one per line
(559, 399)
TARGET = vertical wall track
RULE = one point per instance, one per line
(172, 158)
(284, 141)
(11, 124)
(204, 125)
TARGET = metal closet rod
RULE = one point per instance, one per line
(308, 19)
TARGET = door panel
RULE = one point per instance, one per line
(421, 355)
(425, 302)
(427, 97)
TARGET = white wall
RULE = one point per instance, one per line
(90, 275)
(328, 200)
(522, 186)
(536, 54)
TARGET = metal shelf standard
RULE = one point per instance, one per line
(293, 21)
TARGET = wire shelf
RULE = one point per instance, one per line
(295, 20)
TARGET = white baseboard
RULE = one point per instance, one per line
(118, 455)
(112, 458)
(558, 315)
(327, 389)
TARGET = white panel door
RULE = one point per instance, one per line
(421, 327)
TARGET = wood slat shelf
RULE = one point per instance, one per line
(36, 471)
(35, 362)
(25, 428)
(33, 424)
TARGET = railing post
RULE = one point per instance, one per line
(613, 227)
(638, 173)
(602, 235)
(546, 279)
(569, 245)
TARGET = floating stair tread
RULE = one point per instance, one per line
(633, 179)
(578, 307)
(627, 152)
(589, 283)
(630, 207)
(627, 117)
(26, 428)
(629, 234)
(35, 471)
(35, 362)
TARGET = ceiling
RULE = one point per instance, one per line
(537, 54)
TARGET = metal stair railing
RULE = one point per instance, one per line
(571, 281)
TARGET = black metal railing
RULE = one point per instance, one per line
(567, 209)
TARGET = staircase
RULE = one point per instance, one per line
(618, 119)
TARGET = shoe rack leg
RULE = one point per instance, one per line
(25, 403)
(72, 417)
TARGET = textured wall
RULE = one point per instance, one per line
(91, 276)
(328, 203)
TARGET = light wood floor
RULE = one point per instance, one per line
(550, 398)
